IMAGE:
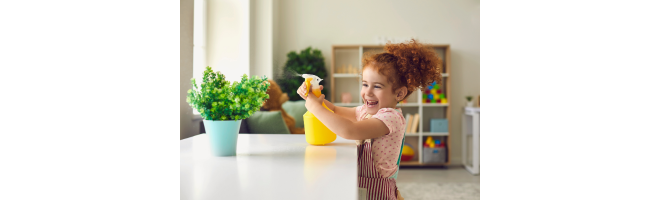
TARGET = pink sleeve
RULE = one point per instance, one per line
(392, 119)
(386, 149)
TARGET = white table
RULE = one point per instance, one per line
(471, 128)
(269, 166)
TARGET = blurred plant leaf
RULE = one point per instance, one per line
(308, 61)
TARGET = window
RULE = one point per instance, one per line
(199, 42)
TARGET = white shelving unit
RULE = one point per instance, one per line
(471, 134)
(351, 83)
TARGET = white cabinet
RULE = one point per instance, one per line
(471, 139)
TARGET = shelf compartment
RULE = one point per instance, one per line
(442, 53)
(437, 136)
(414, 144)
(432, 113)
(349, 85)
(347, 56)
(413, 98)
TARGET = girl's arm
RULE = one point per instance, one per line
(348, 113)
(345, 128)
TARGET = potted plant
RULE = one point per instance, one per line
(469, 103)
(223, 106)
(309, 61)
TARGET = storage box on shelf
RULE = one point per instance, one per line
(434, 155)
(345, 82)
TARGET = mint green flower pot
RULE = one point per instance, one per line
(223, 136)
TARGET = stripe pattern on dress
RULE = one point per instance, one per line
(368, 177)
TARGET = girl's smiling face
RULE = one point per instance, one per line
(376, 92)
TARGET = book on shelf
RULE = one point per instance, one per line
(415, 124)
(408, 122)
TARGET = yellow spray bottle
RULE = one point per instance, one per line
(316, 133)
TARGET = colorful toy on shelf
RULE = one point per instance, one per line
(433, 94)
(431, 143)
(428, 141)
(407, 153)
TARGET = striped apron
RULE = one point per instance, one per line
(369, 179)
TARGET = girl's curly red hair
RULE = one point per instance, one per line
(409, 64)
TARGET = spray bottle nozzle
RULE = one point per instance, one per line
(312, 82)
(315, 79)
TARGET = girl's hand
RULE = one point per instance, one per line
(313, 101)
(303, 90)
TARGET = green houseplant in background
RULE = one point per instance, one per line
(309, 61)
(469, 101)
(223, 105)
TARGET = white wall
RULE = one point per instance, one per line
(321, 24)
(186, 61)
(228, 37)
(261, 38)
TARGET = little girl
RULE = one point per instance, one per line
(379, 127)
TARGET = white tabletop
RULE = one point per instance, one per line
(269, 166)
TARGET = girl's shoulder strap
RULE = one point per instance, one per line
(398, 162)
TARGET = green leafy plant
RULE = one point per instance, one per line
(307, 62)
(218, 100)
(469, 98)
